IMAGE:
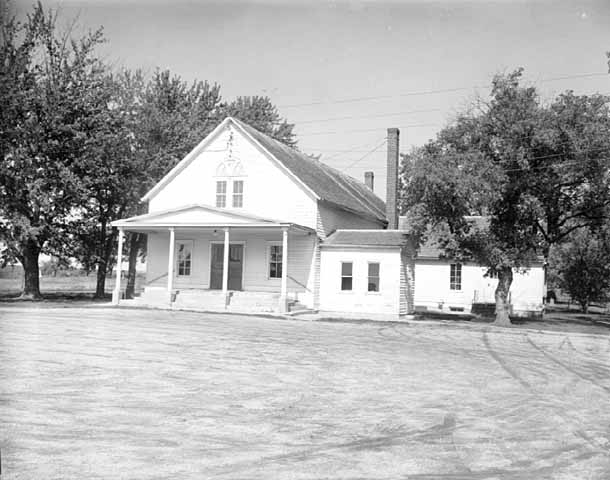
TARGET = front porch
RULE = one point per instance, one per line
(249, 265)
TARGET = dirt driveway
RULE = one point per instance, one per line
(106, 393)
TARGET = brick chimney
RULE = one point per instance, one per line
(369, 180)
(391, 208)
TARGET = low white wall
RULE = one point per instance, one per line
(359, 300)
(432, 287)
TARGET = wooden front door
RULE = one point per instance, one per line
(236, 266)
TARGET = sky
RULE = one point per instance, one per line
(344, 72)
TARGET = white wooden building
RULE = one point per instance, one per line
(244, 222)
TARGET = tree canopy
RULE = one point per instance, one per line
(81, 143)
(535, 172)
(46, 81)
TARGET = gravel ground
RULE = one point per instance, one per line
(116, 393)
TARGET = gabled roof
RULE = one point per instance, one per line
(367, 238)
(329, 184)
(325, 182)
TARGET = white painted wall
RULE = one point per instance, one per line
(359, 300)
(268, 191)
(255, 269)
(432, 287)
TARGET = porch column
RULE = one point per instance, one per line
(283, 307)
(225, 268)
(116, 293)
(170, 260)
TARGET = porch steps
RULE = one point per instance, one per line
(153, 297)
(254, 301)
(204, 299)
(215, 300)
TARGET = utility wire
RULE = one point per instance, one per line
(301, 122)
(431, 92)
(356, 149)
(366, 155)
(370, 129)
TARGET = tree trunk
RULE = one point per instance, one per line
(31, 272)
(135, 241)
(584, 305)
(100, 286)
(505, 279)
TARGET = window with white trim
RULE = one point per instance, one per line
(373, 283)
(238, 193)
(346, 276)
(221, 193)
(185, 254)
(455, 276)
(275, 261)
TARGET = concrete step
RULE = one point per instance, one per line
(255, 301)
(202, 299)
(154, 297)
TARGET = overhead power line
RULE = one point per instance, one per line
(416, 125)
(365, 155)
(430, 92)
(297, 122)
(354, 150)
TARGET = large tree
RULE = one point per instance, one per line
(173, 116)
(534, 172)
(108, 172)
(580, 266)
(45, 83)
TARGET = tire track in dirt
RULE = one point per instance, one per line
(570, 369)
(507, 368)
(420, 340)
(434, 433)
(593, 444)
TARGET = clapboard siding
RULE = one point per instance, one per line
(269, 192)
(432, 287)
(359, 300)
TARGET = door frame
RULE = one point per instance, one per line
(243, 267)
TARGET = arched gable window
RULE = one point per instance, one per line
(230, 175)
(230, 167)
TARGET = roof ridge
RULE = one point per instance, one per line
(363, 199)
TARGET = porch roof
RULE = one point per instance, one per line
(200, 216)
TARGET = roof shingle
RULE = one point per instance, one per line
(328, 183)
(370, 238)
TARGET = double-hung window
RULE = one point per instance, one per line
(346, 276)
(373, 283)
(275, 261)
(185, 253)
(455, 276)
(238, 193)
(221, 193)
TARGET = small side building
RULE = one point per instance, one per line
(444, 285)
(367, 272)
